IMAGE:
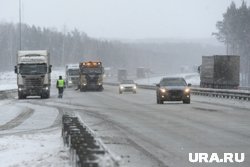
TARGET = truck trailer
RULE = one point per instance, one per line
(91, 76)
(220, 71)
(33, 73)
(122, 74)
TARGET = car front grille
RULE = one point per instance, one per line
(175, 93)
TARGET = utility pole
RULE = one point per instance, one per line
(20, 26)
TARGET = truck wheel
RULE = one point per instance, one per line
(20, 96)
(82, 89)
(186, 101)
(101, 88)
(159, 101)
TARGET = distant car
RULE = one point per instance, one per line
(173, 89)
(127, 86)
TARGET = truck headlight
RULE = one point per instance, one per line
(70, 82)
(121, 87)
(19, 89)
(99, 83)
(163, 90)
(134, 87)
(187, 90)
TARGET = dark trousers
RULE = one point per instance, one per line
(60, 91)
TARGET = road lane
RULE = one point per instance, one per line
(147, 134)
(167, 133)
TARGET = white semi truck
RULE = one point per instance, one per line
(33, 71)
(72, 75)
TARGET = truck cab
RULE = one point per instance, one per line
(33, 73)
(72, 75)
(91, 76)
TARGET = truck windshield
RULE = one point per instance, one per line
(33, 69)
(73, 72)
(92, 70)
(173, 82)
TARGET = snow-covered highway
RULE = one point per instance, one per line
(132, 126)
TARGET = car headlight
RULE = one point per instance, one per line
(70, 82)
(163, 90)
(46, 88)
(134, 87)
(187, 90)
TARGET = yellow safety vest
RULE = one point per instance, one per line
(60, 83)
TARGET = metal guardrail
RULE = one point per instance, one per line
(222, 93)
(85, 149)
(4, 94)
(219, 93)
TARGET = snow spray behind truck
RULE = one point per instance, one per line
(91, 76)
(220, 71)
(33, 73)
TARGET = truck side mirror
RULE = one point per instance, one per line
(158, 85)
(50, 68)
(189, 85)
(16, 69)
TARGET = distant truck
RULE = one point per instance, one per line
(91, 76)
(33, 73)
(140, 72)
(220, 71)
(122, 74)
(72, 75)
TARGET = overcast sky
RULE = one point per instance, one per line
(129, 19)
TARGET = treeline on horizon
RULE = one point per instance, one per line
(75, 46)
(234, 32)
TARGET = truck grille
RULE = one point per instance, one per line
(33, 82)
(75, 80)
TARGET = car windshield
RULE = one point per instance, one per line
(127, 82)
(33, 69)
(73, 72)
(173, 82)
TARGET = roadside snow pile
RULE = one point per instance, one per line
(8, 80)
(193, 78)
(44, 149)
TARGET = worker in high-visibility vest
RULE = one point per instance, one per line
(60, 84)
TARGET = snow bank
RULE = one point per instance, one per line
(43, 150)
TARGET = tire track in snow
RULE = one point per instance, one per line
(17, 120)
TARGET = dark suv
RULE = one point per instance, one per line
(173, 89)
